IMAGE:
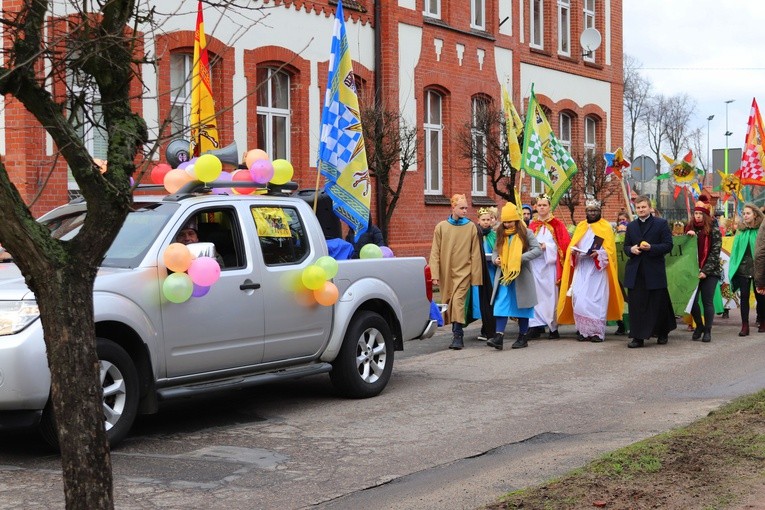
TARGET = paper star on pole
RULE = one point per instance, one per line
(730, 185)
(682, 174)
(615, 162)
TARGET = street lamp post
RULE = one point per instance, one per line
(709, 161)
(727, 134)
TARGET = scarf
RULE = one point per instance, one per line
(703, 240)
(744, 237)
(490, 238)
(510, 258)
(459, 222)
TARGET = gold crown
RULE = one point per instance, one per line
(592, 202)
(485, 210)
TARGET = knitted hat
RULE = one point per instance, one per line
(702, 205)
(510, 212)
(527, 206)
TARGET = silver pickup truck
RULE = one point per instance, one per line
(252, 327)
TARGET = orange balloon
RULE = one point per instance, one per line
(177, 257)
(253, 155)
(326, 295)
(175, 179)
(305, 297)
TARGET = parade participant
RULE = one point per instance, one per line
(487, 218)
(527, 212)
(589, 290)
(709, 245)
(515, 294)
(646, 242)
(553, 240)
(456, 262)
(741, 265)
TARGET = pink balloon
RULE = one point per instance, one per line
(242, 176)
(261, 171)
(204, 271)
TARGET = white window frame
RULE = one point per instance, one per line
(433, 129)
(268, 114)
(180, 94)
(564, 27)
(590, 146)
(478, 138)
(537, 24)
(478, 14)
(432, 8)
(589, 22)
(565, 122)
(89, 124)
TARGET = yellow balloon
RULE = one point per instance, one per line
(208, 167)
(283, 171)
(314, 277)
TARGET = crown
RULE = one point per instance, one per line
(485, 210)
(544, 196)
(592, 202)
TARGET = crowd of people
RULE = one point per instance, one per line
(521, 263)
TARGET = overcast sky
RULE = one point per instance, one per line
(712, 50)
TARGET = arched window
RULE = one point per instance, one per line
(433, 127)
(274, 112)
(481, 109)
(590, 136)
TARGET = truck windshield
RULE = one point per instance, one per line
(138, 233)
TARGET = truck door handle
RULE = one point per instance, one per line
(249, 286)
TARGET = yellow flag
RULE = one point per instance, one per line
(514, 128)
(204, 129)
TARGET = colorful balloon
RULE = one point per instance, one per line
(283, 171)
(242, 176)
(199, 290)
(158, 173)
(328, 264)
(175, 179)
(208, 167)
(204, 271)
(370, 251)
(223, 177)
(177, 257)
(261, 171)
(177, 287)
(253, 155)
(313, 277)
(327, 295)
(387, 253)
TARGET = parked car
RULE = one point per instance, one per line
(252, 327)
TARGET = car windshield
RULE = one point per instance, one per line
(141, 227)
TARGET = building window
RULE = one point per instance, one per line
(590, 129)
(478, 132)
(564, 131)
(180, 87)
(564, 27)
(478, 14)
(433, 142)
(274, 112)
(88, 122)
(589, 22)
(433, 8)
(536, 23)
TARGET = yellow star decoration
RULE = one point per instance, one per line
(731, 185)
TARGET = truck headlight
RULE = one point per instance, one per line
(17, 315)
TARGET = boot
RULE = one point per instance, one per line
(535, 332)
(761, 328)
(620, 329)
(744, 329)
(520, 343)
(497, 342)
(457, 343)
(697, 333)
(707, 335)
(726, 313)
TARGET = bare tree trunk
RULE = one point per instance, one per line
(76, 390)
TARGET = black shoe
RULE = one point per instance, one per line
(707, 336)
(520, 343)
(553, 335)
(697, 333)
(580, 337)
(535, 332)
(725, 314)
(662, 340)
(457, 343)
(620, 331)
(482, 338)
(635, 343)
(497, 342)
(596, 339)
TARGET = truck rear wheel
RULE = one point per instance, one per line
(119, 379)
(364, 364)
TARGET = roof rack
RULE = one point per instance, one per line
(195, 188)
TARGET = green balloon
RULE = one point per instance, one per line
(370, 251)
(178, 287)
(328, 264)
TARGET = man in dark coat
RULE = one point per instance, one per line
(647, 240)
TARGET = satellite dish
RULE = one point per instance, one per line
(590, 41)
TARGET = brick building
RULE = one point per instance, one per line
(435, 59)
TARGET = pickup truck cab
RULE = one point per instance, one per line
(252, 326)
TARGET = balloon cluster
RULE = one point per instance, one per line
(315, 278)
(208, 168)
(191, 276)
(372, 251)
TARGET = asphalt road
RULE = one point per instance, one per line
(454, 429)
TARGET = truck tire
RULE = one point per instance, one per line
(364, 364)
(119, 379)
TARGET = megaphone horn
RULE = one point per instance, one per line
(228, 154)
(177, 152)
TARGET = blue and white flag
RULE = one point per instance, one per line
(342, 156)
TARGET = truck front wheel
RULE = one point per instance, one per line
(364, 364)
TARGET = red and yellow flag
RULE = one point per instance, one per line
(753, 158)
(204, 129)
